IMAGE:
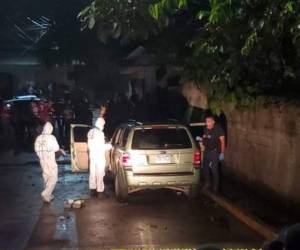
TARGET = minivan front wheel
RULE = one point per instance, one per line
(121, 189)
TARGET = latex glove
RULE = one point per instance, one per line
(63, 152)
(221, 157)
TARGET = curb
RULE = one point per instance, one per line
(266, 231)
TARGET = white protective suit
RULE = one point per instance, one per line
(97, 148)
(45, 146)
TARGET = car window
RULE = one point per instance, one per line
(80, 134)
(166, 138)
(119, 136)
(124, 137)
(113, 138)
(116, 136)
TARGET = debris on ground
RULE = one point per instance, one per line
(70, 203)
(78, 204)
(62, 217)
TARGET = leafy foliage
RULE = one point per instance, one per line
(246, 49)
(58, 42)
(238, 50)
(170, 6)
(128, 20)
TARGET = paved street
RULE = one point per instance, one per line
(153, 218)
(20, 204)
(168, 94)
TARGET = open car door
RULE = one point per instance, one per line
(79, 148)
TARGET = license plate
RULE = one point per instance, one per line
(162, 159)
(139, 160)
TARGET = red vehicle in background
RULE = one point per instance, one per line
(26, 114)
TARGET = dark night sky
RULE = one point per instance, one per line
(57, 17)
(62, 41)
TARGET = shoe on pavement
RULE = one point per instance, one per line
(93, 193)
(101, 195)
(45, 199)
(206, 187)
(107, 193)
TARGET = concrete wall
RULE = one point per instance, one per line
(264, 148)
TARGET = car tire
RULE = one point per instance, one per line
(121, 189)
(193, 191)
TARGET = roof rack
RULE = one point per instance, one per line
(197, 124)
(172, 120)
(134, 122)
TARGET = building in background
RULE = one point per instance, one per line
(154, 83)
(25, 74)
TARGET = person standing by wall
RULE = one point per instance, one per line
(214, 149)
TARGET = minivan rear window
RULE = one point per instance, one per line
(162, 138)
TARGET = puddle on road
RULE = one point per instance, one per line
(67, 177)
(65, 230)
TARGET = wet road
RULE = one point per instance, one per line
(152, 218)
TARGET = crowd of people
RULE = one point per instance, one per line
(23, 120)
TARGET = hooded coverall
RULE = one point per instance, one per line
(97, 148)
(45, 146)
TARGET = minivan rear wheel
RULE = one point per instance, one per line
(121, 189)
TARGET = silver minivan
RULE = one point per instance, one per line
(154, 156)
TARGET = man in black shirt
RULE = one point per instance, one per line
(214, 148)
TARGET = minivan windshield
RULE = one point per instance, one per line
(162, 138)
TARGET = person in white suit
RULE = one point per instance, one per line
(45, 147)
(97, 148)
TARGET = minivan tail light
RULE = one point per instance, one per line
(126, 160)
(197, 158)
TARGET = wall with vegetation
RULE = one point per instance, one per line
(263, 145)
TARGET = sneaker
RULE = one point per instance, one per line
(107, 193)
(206, 186)
(93, 193)
(45, 199)
(101, 195)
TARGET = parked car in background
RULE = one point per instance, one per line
(23, 115)
(22, 98)
(154, 156)
(20, 107)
